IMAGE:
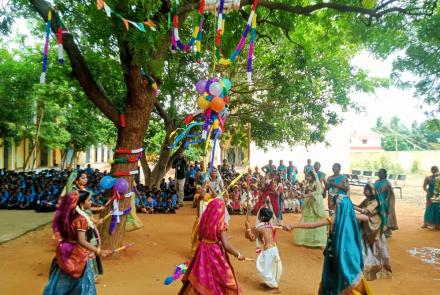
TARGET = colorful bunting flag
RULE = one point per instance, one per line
(100, 4)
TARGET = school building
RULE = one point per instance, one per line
(13, 156)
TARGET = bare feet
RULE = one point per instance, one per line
(274, 291)
(424, 226)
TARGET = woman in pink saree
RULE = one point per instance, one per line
(210, 271)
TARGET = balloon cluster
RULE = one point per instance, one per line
(119, 184)
(212, 100)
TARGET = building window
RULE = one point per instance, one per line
(364, 141)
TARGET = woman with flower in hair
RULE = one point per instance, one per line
(71, 271)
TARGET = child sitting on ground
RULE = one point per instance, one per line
(268, 262)
(236, 201)
(150, 204)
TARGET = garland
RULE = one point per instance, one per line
(125, 160)
(125, 173)
(149, 80)
(100, 4)
(128, 151)
(46, 48)
(251, 23)
(196, 36)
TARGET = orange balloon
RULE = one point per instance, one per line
(217, 104)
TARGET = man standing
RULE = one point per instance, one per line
(269, 168)
(336, 184)
(180, 165)
(385, 192)
(308, 168)
(429, 188)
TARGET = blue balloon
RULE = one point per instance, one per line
(107, 182)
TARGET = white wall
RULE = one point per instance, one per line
(338, 151)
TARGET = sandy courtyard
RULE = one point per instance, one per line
(164, 242)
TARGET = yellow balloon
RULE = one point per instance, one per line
(216, 124)
(203, 103)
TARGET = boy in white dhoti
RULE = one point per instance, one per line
(268, 262)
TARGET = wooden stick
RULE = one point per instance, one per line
(123, 247)
(107, 217)
(249, 259)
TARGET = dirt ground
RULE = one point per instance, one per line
(163, 243)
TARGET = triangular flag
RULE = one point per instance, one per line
(151, 24)
(99, 4)
(127, 26)
(139, 26)
(108, 10)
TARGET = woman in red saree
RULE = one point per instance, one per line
(210, 271)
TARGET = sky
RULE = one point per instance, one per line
(385, 103)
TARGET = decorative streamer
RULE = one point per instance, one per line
(115, 216)
(125, 160)
(100, 4)
(149, 80)
(251, 48)
(217, 134)
(196, 37)
(183, 134)
(125, 173)
(252, 22)
(122, 121)
(46, 48)
(128, 151)
(60, 45)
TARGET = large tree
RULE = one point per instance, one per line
(121, 55)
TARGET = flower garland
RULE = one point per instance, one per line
(196, 36)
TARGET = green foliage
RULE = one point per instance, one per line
(69, 120)
(422, 57)
(415, 166)
(396, 136)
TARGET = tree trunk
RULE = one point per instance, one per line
(139, 105)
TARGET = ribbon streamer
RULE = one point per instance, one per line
(46, 48)
(128, 151)
(115, 216)
(183, 134)
(125, 173)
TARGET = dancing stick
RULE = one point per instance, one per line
(249, 259)
(107, 216)
(123, 247)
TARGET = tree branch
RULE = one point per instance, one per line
(376, 12)
(79, 66)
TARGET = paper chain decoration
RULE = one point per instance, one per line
(149, 80)
(125, 173)
(250, 26)
(196, 36)
(100, 4)
(129, 151)
(46, 48)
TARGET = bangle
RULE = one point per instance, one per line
(248, 229)
(98, 251)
